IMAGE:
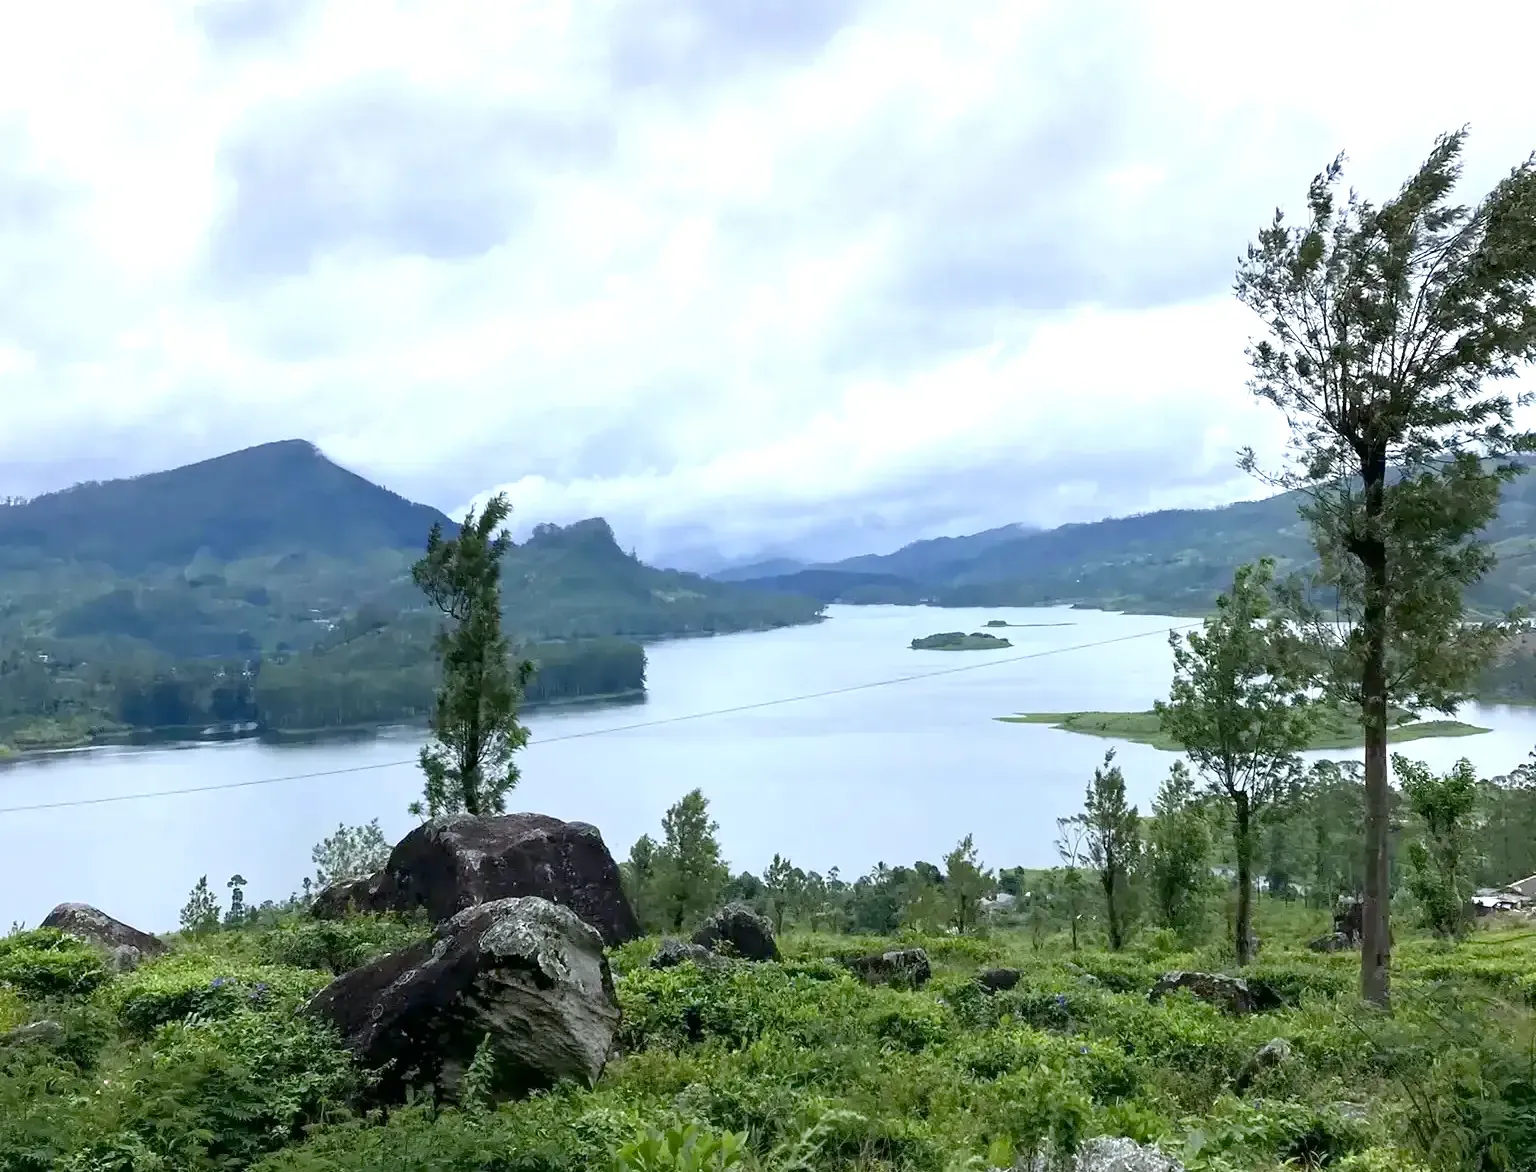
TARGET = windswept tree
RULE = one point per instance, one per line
(1112, 836)
(1072, 849)
(1441, 863)
(469, 764)
(1385, 327)
(1240, 708)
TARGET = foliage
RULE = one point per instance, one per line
(1112, 836)
(1239, 706)
(1441, 863)
(1178, 853)
(965, 882)
(1384, 324)
(200, 915)
(469, 763)
(44, 962)
(688, 874)
(681, 1149)
(353, 852)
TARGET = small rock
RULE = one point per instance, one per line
(94, 926)
(124, 958)
(675, 952)
(905, 968)
(1234, 994)
(1272, 1053)
(998, 980)
(744, 933)
(1119, 1154)
(525, 971)
(1332, 942)
(46, 1032)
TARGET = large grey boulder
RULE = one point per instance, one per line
(738, 930)
(675, 952)
(905, 968)
(526, 972)
(94, 926)
(1330, 942)
(1119, 1154)
(450, 864)
(1234, 994)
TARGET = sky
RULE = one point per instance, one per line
(747, 277)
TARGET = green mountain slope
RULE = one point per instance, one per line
(187, 597)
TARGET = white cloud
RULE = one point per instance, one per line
(733, 274)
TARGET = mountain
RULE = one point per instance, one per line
(1170, 562)
(272, 586)
(771, 568)
(277, 498)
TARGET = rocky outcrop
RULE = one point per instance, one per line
(348, 895)
(998, 980)
(737, 930)
(675, 952)
(905, 968)
(450, 864)
(1332, 942)
(47, 1033)
(94, 926)
(525, 972)
(124, 958)
(1271, 1054)
(1234, 994)
(1119, 1154)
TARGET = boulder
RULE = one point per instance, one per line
(1234, 994)
(347, 895)
(738, 930)
(124, 958)
(524, 971)
(94, 926)
(1272, 1053)
(1332, 942)
(998, 980)
(906, 968)
(1119, 1154)
(450, 864)
(675, 952)
(47, 1033)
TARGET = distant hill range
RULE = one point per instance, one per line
(1170, 562)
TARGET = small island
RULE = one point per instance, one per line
(960, 641)
(1337, 729)
(997, 622)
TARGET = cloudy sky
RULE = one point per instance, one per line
(744, 276)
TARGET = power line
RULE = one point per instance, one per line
(605, 731)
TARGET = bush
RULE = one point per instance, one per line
(337, 946)
(191, 984)
(46, 963)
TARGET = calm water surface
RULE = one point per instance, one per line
(893, 772)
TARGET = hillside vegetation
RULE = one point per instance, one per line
(272, 586)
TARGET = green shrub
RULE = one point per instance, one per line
(188, 984)
(337, 946)
(46, 963)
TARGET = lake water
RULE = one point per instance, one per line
(900, 760)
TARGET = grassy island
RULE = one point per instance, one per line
(960, 641)
(1337, 730)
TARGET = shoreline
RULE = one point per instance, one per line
(1141, 728)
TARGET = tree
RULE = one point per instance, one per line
(965, 882)
(1112, 835)
(1178, 852)
(1070, 845)
(469, 762)
(1441, 864)
(784, 884)
(1384, 325)
(237, 912)
(353, 852)
(638, 876)
(690, 872)
(1239, 707)
(200, 915)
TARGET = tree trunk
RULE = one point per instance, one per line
(1242, 827)
(1376, 941)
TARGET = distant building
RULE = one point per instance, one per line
(1525, 887)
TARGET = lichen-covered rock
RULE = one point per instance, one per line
(739, 931)
(524, 971)
(124, 958)
(1234, 994)
(1272, 1053)
(1119, 1154)
(675, 952)
(94, 926)
(905, 968)
(998, 980)
(450, 864)
(348, 895)
(1331, 942)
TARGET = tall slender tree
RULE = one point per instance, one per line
(469, 764)
(1385, 325)
(1112, 835)
(1240, 709)
(1072, 848)
(1178, 853)
(690, 874)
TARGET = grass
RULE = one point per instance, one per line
(1337, 731)
(197, 1061)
